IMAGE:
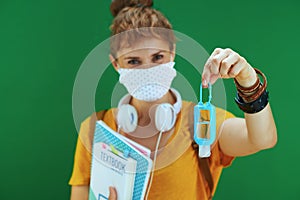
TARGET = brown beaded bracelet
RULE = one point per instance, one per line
(257, 89)
(251, 89)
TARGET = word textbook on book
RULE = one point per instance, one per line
(119, 162)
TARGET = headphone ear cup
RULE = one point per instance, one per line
(165, 117)
(127, 118)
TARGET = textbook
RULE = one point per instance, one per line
(119, 162)
(115, 169)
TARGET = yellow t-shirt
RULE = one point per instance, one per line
(177, 174)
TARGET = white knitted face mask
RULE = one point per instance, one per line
(148, 84)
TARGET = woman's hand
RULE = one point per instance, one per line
(112, 193)
(225, 63)
(240, 136)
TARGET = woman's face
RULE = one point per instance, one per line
(144, 53)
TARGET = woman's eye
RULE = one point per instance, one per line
(158, 57)
(133, 62)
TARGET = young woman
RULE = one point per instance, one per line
(144, 60)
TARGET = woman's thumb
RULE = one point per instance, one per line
(112, 193)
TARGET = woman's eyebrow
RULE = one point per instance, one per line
(158, 52)
(136, 57)
(131, 57)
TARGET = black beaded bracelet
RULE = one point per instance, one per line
(255, 106)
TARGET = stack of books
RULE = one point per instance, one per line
(119, 162)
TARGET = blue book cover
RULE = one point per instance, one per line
(117, 162)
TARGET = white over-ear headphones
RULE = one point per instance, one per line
(165, 114)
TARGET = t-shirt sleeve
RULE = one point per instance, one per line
(82, 158)
(81, 168)
(224, 160)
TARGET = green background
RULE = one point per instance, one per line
(43, 44)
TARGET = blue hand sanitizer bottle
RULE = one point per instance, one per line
(205, 129)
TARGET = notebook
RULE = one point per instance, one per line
(120, 162)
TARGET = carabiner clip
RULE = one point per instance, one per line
(205, 129)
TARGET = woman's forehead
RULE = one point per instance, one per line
(144, 46)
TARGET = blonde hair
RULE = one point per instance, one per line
(136, 19)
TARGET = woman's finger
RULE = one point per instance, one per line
(112, 193)
(215, 52)
(211, 68)
(243, 73)
(227, 63)
(214, 78)
(216, 61)
(236, 69)
(206, 73)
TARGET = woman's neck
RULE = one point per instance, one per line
(143, 107)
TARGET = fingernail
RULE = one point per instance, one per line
(204, 82)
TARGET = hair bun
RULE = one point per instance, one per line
(117, 5)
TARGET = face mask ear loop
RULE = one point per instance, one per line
(118, 67)
(171, 58)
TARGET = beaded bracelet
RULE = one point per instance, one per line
(255, 98)
(255, 91)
